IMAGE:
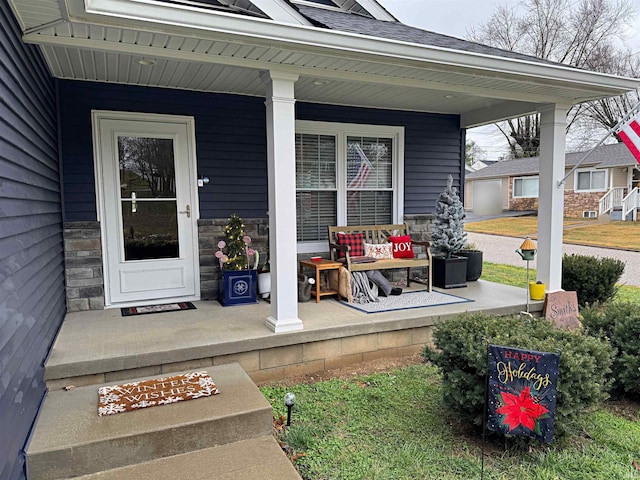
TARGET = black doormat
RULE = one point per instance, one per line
(167, 307)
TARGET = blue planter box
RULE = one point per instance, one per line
(238, 287)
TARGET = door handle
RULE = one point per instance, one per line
(187, 211)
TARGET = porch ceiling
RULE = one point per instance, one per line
(217, 52)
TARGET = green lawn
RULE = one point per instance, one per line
(517, 276)
(624, 235)
(393, 426)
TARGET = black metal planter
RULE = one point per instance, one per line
(449, 272)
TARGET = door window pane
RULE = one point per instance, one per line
(148, 198)
(146, 167)
(150, 229)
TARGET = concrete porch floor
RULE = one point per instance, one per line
(102, 346)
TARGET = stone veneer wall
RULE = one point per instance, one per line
(83, 257)
(521, 204)
(576, 203)
(83, 266)
(83, 254)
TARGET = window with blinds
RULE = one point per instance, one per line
(344, 178)
(316, 183)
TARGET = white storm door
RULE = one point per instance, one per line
(148, 207)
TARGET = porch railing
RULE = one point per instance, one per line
(630, 204)
(613, 198)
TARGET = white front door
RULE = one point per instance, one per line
(145, 174)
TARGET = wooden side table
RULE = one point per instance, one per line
(320, 266)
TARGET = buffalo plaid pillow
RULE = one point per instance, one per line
(355, 241)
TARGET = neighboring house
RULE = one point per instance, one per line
(131, 130)
(478, 165)
(600, 185)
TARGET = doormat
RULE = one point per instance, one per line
(407, 300)
(151, 393)
(167, 307)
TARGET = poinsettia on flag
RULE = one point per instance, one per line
(522, 392)
(629, 133)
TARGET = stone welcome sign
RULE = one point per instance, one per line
(562, 309)
(150, 393)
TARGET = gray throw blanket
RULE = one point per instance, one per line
(362, 289)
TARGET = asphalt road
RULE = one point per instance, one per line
(498, 249)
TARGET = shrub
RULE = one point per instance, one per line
(594, 279)
(619, 322)
(463, 359)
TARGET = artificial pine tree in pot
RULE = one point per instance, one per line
(238, 262)
(448, 238)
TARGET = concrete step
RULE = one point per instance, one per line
(254, 459)
(71, 440)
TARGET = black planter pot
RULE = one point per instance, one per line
(474, 263)
(449, 272)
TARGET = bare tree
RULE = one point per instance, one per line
(582, 33)
(474, 153)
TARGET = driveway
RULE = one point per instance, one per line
(498, 249)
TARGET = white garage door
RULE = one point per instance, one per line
(487, 197)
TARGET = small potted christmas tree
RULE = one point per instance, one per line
(448, 238)
(238, 262)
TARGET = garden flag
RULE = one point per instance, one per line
(629, 133)
(522, 392)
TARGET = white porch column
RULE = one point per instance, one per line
(553, 123)
(281, 168)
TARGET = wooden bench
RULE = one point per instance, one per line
(378, 234)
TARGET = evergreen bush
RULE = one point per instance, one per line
(447, 230)
(462, 357)
(594, 279)
(620, 323)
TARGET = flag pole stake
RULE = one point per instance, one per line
(484, 415)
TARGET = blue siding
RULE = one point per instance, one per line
(433, 146)
(231, 145)
(32, 299)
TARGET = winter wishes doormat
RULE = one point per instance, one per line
(167, 307)
(522, 392)
(158, 391)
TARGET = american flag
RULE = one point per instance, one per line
(364, 170)
(629, 133)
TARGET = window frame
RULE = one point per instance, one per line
(341, 131)
(591, 171)
(527, 177)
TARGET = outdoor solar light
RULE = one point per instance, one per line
(289, 401)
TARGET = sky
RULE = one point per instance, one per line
(455, 17)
